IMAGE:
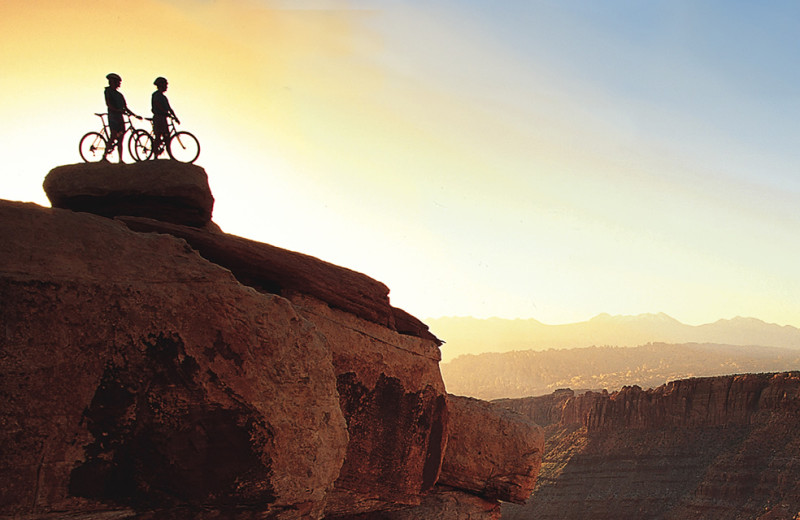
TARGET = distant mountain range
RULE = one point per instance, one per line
(466, 335)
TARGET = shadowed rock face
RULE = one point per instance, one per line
(394, 402)
(141, 455)
(443, 503)
(162, 190)
(492, 451)
(135, 373)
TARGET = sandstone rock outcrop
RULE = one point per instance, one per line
(136, 374)
(388, 380)
(162, 190)
(275, 270)
(153, 368)
(716, 448)
(394, 401)
(492, 451)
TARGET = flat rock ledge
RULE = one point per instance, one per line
(164, 190)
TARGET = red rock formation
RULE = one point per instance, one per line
(442, 503)
(136, 374)
(543, 410)
(706, 402)
(275, 270)
(491, 451)
(393, 398)
(715, 448)
(141, 376)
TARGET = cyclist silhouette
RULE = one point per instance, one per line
(161, 110)
(117, 108)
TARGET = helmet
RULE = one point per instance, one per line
(113, 76)
(160, 81)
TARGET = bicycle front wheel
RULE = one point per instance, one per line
(184, 147)
(140, 145)
(93, 147)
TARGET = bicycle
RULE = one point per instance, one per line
(181, 146)
(93, 145)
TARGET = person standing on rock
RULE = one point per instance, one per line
(161, 110)
(117, 109)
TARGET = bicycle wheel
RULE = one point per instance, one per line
(183, 147)
(140, 145)
(93, 147)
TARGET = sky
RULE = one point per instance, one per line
(521, 159)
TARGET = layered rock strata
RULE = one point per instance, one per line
(717, 448)
(275, 270)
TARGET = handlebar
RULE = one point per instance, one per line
(101, 116)
(171, 119)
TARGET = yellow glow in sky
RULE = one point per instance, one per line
(433, 149)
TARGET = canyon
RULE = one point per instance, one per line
(154, 367)
(713, 448)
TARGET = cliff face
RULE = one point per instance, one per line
(155, 367)
(137, 374)
(722, 447)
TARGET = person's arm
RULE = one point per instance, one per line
(130, 112)
(169, 110)
(126, 110)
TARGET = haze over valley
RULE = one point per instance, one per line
(498, 358)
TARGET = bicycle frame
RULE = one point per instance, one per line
(178, 144)
(106, 131)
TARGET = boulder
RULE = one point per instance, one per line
(137, 376)
(163, 190)
(491, 451)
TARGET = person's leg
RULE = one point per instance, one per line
(161, 133)
(156, 144)
(119, 145)
(114, 139)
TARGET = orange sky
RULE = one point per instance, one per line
(431, 146)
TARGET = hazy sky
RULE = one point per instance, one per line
(534, 159)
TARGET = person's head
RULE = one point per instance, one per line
(114, 80)
(161, 83)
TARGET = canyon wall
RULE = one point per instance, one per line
(715, 448)
(154, 367)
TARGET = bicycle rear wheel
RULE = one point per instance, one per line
(184, 147)
(93, 147)
(141, 145)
